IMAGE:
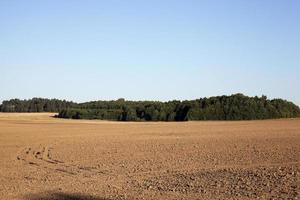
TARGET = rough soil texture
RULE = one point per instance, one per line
(46, 158)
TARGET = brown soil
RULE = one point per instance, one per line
(46, 158)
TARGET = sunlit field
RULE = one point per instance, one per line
(42, 157)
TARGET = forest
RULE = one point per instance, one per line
(233, 107)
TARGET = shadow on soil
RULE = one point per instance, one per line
(62, 196)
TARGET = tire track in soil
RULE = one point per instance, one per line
(40, 157)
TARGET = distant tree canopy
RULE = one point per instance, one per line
(36, 105)
(234, 107)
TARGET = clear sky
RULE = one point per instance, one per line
(156, 49)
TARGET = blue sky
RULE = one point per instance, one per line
(155, 50)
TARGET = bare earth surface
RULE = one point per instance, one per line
(46, 158)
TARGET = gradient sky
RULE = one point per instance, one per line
(156, 49)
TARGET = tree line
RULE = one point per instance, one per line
(36, 105)
(234, 107)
